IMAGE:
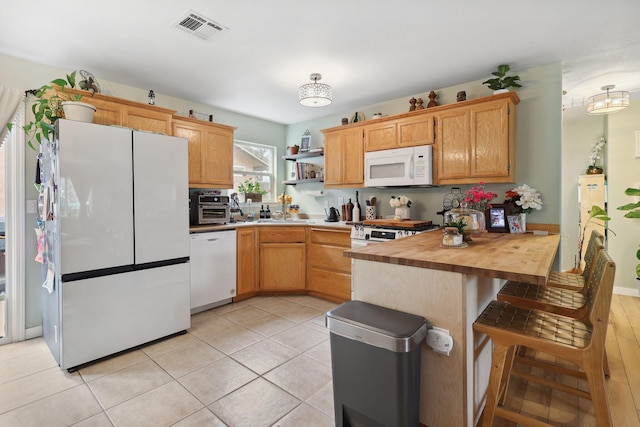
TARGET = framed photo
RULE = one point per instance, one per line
(305, 141)
(496, 218)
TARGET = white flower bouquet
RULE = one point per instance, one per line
(400, 201)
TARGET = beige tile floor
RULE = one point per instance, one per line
(261, 362)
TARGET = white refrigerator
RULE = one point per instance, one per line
(115, 215)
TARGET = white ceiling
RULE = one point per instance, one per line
(368, 51)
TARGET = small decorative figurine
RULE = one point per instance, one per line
(412, 103)
(461, 96)
(420, 106)
(432, 100)
(152, 98)
(191, 114)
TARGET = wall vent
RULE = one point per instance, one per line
(198, 25)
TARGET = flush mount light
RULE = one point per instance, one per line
(315, 94)
(609, 102)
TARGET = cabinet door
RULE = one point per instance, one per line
(453, 147)
(489, 140)
(413, 131)
(217, 158)
(332, 159)
(194, 136)
(147, 120)
(107, 113)
(353, 159)
(246, 260)
(282, 266)
(381, 136)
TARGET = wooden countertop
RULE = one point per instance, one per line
(522, 257)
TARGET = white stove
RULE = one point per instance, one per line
(364, 235)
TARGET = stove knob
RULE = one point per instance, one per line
(366, 237)
(399, 234)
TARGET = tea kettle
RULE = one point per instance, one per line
(333, 215)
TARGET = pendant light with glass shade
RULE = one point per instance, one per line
(315, 94)
(609, 102)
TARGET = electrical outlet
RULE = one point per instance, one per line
(439, 340)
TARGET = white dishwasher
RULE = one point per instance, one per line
(213, 269)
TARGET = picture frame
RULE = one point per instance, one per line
(305, 141)
(496, 218)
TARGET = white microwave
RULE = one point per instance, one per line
(399, 167)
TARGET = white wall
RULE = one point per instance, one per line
(622, 170)
(579, 132)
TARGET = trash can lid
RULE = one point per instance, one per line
(376, 325)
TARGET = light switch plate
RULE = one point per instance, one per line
(32, 206)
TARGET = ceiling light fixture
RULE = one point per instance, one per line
(315, 94)
(610, 102)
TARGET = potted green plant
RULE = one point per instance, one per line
(251, 190)
(501, 82)
(634, 212)
(51, 104)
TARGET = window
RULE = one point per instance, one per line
(255, 161)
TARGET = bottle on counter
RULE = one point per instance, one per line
(356, 210)
(262, 212)
(349, 211)
(267, 213)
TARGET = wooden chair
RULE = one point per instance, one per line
(574, 281)
(579, 342)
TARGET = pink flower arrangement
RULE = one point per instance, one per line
(477, 198)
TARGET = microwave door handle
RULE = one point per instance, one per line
(411, 165)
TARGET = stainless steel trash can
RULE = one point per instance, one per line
(375, 356)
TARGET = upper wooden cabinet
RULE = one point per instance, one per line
(380, 136)
(122, 112)
(210, 152)
(343, 157)
(407, 130)
(477, 141)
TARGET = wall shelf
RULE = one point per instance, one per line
(308, 154)
(302, 181)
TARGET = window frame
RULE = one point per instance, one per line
(271, 175)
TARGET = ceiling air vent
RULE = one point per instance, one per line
(196, 24)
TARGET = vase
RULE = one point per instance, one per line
(517, 223)
(523, 222)
(499, 91)
(254, 197)
(594, 170)
(78, 111)
(403, 212)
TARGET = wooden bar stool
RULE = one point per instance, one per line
(574, 281)
(579, 342)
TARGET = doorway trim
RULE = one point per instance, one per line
(15, 231)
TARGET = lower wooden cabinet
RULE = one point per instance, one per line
(328, 271)
(282, 258)
(246, 262)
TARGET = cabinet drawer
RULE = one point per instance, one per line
(329, 283)
(331, 237)
(329, 257)
(282, 234)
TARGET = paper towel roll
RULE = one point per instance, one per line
(316, 193)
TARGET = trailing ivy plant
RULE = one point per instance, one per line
(634, 212)
(47, 108)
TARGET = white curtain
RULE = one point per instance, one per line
(9, 102)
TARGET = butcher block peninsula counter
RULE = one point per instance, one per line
(450, 287)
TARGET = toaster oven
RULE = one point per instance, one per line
(209, 209)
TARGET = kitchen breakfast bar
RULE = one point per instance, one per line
(450, 287)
